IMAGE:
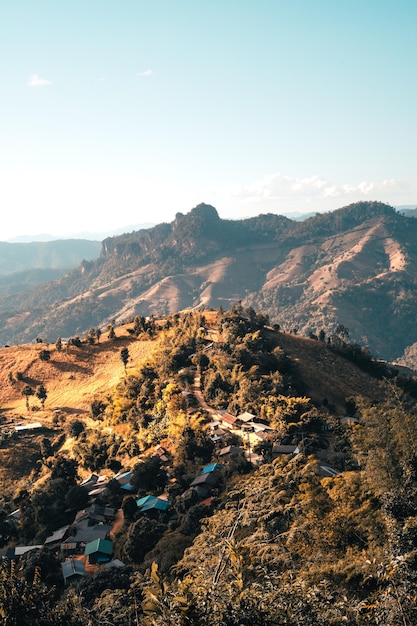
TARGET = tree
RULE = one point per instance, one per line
(75, 341)
(75, 428)
(27, 391)
(91, 337)
(130, 508)
(42, 394)
(76, 498)
(25, 603)
(112, 334)
(124, 355)
(43, 560)
(97, 409)
(58, 344)
(64, 468)
(149, 475)
(141, 537)
(45, 355)
(46, 448)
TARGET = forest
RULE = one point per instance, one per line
(303, 512)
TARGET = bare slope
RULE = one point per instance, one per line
(73, 377)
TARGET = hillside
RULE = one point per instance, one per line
(73, 377)
(355, 266)
(221, 510)
(76, 376)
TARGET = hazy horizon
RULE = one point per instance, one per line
(100, 235)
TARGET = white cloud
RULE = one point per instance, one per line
(277, 193)
(36, 81)
(145, 73)
(280, 187)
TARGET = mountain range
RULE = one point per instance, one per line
(355, 266)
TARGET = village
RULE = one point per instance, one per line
(87, 545)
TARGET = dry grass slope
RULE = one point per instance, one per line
(73, 377)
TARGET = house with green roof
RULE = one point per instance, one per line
(156, 504)
(99, 551)
(142, 501)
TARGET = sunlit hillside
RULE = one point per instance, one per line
(73, 377)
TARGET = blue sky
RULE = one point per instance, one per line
(124, 112)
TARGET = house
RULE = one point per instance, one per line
(21, 550)
(14, 517)
(94, 514)
(228, 421)
(57, 537)
(203, 484)
(28, 427)
(84, 520)
(213, 467)
(144, 500)
(260, 435)
(349, 420)
(326, 471)
(163, 454)
(114, 564)
(217, 434)
(245, 418)
(258, 427)
(68, 548)
(152, 503)
(127, 487)
(97, 491)
(72, 569)
(90, 483)
(209, 479)
(285, 449)
(123, 478)
(92, 533)
(227, 453)
(156, 504)
(99, 551)
(124, 481)
(100, 510)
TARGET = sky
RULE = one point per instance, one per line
(125, 112)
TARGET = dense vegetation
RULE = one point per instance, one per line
(281, 543)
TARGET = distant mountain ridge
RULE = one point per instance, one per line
(355, 266)
(88, 235)
(47, 255)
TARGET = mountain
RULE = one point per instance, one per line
(355, 266)
(89, 235)
(46, 255)
(410, 210)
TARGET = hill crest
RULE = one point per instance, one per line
(356, 266)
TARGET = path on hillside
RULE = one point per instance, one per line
(196, 389)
